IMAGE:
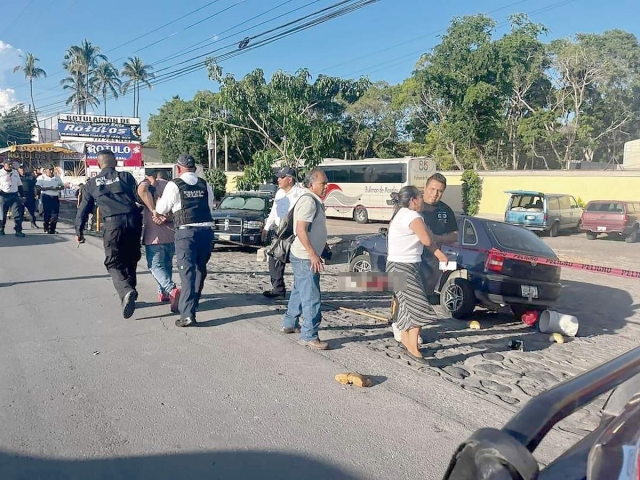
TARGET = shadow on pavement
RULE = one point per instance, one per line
(31, 239)
(193, 466)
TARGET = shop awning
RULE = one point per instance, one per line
(40, 147)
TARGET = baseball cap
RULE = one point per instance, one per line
(186, 160)
(286, 172)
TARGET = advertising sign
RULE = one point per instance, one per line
(108, 131)
(94, 119)
(127, 154)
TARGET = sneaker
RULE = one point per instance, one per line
(315, 344)
(185, 322)
(20, 235)
(163, 297)
(290, 330)
(396, 332)
(129, 303)
(272, 294)
(174, 297)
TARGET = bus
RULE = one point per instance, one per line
(361, 189)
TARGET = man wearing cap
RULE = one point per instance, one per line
(50, 186)
(284, 200)
(115, 193)
(191, 200)
(29, 192)
(158, 236)
(10, 185)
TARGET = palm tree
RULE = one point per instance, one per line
(138, 73)
(106, 80)
(80, 61)
(79, 99)
(31, 72)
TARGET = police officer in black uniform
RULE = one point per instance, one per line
(115, 194)
(29, 192)
(190, 199)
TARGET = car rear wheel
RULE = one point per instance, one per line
(360, 214)
(633, 236)
(360, 263)
(458, 298)
(591, 236)
(555, 229)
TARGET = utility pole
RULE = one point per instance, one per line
(226, 153)
(215, 149)
(209, 145)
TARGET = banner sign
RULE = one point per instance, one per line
(99, 131)
(127, 154)
(78, 118)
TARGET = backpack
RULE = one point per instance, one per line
(285, 234)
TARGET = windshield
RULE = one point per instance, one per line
(606, 207)
(243, 203)
(519, 239)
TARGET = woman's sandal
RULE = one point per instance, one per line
(421, 360)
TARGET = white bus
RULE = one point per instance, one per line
(361, 189)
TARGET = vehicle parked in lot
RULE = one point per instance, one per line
(484, 276)
(239, 218)
(613, 217)
(543, 212)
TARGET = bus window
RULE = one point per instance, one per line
(356, 174)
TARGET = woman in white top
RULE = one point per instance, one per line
(407, 237)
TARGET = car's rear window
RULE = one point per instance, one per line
(519, 239)
(606, 207)
(527, 202)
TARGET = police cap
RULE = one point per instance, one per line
(187, 161)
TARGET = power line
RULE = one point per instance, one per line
(237, 51)
(413, 53)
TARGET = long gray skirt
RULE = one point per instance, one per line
(414, 310)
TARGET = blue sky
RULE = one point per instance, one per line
(382, 40)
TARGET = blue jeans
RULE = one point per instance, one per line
(159, 261)
(305, 300)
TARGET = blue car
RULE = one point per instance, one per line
(484, 276)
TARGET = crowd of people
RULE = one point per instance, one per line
(172, 218)
(21, 188)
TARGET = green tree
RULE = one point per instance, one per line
(31, 72)
(218, 180)
(301, 120)
(106, 81)
(139, 74)
(15, 126)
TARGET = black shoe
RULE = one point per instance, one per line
(272, 294)
(20, 235)
(185, 322)
(34, 225)
(129, 303)
(2, 232)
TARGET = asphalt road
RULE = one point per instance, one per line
(88, 395)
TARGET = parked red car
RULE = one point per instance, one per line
(613, 217)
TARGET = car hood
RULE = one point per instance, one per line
(244, 214)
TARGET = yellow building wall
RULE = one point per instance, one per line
(586, 185)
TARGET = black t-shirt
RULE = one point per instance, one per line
(439, 218)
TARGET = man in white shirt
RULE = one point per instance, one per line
(284, 200)
(191, 200)
(10, 185)
(310, 227)
(50, 187)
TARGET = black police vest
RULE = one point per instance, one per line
(194, 200)
(113, 196)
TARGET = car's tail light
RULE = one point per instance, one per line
(546, 217)
(495, 261)
(625, 219)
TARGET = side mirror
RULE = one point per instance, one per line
(383, 231)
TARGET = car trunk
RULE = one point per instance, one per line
(604, 217)
(525, 208)
(516, 240)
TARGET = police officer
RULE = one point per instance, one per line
(115, 194)
(29, 192)
(10, 185)
(191, 200)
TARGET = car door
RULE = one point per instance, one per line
(565, 212)
(576, 212)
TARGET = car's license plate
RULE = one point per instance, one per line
(529, 291)
(530, 217)
(602, 229)
(224, 236)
